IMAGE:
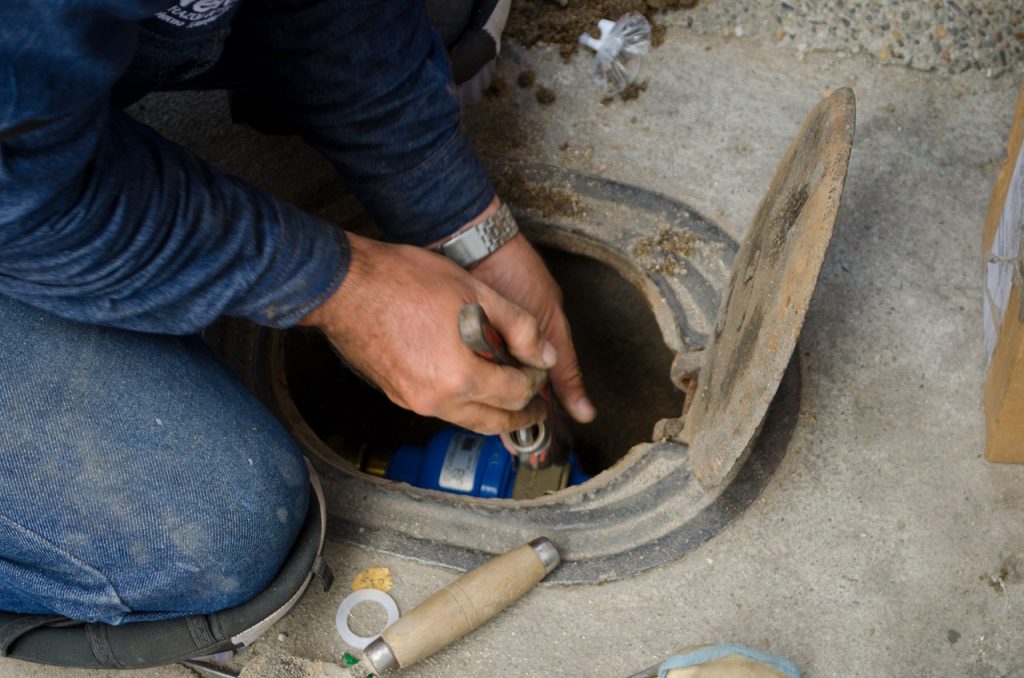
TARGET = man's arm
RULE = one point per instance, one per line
(102, 220)
(368, 84)
(105, 221)
(371, 88)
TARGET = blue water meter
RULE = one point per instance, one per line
(457, 461)
(462, 462)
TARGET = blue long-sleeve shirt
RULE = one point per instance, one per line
(102, 220)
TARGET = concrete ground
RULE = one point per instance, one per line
(885, 545)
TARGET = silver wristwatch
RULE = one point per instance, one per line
(469, 247)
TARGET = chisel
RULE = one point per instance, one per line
(534, 445)
(462, 606)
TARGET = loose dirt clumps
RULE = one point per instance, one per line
(549, 201)
(658, 32)
(497, 87)
(545, 96)
(664, 252)
(631, 92)
(533, 21)
(526, 79)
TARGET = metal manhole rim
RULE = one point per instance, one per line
(576, 494)
(506, 515)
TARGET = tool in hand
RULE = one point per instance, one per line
(462, 606)
(532, 444)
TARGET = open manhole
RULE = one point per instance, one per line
(643, 277)
(620, 348)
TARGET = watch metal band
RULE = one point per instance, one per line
(474, 244)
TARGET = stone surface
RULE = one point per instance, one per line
(945, 35)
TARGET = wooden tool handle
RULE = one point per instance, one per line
(463, 605)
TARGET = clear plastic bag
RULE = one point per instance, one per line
(619, 51)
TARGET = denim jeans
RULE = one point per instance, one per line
(138, 478)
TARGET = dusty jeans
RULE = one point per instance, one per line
(138, 478)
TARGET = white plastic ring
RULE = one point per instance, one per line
(362, 596)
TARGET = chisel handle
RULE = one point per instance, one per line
(462, 606)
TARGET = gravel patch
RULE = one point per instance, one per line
(949, 36)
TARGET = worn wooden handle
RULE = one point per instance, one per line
(464, 605)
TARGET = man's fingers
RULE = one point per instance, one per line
(522, 332)
(489, 420)
(507, 388)
(566, 377)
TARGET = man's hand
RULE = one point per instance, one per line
(395, 319)
(516, 272)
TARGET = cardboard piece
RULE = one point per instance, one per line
(1003, 313)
